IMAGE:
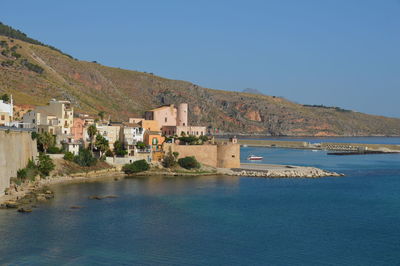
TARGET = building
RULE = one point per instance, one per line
(153, 138)
(72, 146)
(110, 133)
(55, 118)
(221, 155)
(6, 112)
(173, 121)
(169, 115)
(77, 129)
(131, 134)
(183, 130)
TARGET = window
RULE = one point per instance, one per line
(3, 117)
(166, 119)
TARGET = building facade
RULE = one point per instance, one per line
(55, 118)
(6, 112)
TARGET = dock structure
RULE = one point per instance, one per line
(330, 146)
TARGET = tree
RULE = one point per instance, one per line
(170, 158)
(101, 115)
(101, 144)
(45, 140)
(5, 98)
(45, 165)
(85, 158)
(119, 149)
(92, 130)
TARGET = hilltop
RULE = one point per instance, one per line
(34, 73)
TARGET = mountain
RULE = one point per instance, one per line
(252, 91)
(35, 73)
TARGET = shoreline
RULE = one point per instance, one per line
(33, 187)
(36, 189)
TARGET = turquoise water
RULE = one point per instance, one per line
(352, 220)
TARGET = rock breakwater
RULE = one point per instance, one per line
(274, 171)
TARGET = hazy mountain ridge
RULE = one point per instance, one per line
(92, 87)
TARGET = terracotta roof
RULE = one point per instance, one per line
(131, 124)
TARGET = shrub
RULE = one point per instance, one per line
(34, 135)
(45, 165)
(54, 150)
(22, 174)
(69, 156)
(191, 140)
(32, 67)
(136, 167)
(170, 158)
(189, 162)
(109, 153)
(7, 63)
(85, 158)
(140, 145)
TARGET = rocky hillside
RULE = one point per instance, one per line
(35, 73)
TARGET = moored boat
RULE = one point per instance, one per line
(254, 158)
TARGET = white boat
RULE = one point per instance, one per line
(254, 158)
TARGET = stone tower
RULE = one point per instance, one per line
(182, 117)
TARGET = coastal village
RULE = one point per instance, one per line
(57, 130)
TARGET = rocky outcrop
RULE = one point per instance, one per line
(298, 172)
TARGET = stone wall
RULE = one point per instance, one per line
(228, 155)
(221, 155)
(16, 148)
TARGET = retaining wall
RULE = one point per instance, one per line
(221, 155)
(16, 148)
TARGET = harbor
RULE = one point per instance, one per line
(329, 146)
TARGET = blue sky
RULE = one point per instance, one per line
(335, 52)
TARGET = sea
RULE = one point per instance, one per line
(221, 220)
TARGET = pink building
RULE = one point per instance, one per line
(174, 120)
(77, 129)
(169, 115)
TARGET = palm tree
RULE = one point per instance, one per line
(101, 115)
(101, 144)
(46, 140)
(92, 130)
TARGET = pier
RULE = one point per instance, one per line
(330, 146)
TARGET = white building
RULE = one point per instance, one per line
(6, 112)
(55, 118)
(131, 133)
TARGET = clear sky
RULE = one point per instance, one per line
(334, 52)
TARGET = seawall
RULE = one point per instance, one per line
(16, 148)
(221, 155)
(333, 146)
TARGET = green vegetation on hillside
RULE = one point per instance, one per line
(8, 31)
